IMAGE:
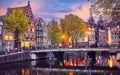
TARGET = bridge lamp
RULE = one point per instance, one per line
(88, 34)
(109, 37)
(63, 40)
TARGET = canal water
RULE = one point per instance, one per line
(71, 64)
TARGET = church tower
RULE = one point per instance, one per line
(91, 21)
(28, 3)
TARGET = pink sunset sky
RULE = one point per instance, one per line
(50, 9)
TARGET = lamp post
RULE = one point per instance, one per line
(86, 53)
(63, 40)
(88, 34)
(109, 37)
(118, 34)
(1, 35)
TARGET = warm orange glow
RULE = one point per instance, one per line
(68, 63)
(88, 33)
(70, 46)
(25, 44)
(31, 43)
(10, 37)
(6, 37)
(27, 72)
(110, 63)
(23, 71)
(33, 30)
(61, 63)
(70, 40)
(109, 37)
(60, 44)
(71, 73)
(63, 36)
(74, 62)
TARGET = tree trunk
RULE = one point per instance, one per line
(73, 43)
(76, 43)
(17, 43)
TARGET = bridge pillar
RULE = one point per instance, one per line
(33, 56)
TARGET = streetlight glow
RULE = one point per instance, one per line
(63, 36)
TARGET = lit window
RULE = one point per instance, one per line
(28, 30)
(37, 40)
(6, 37)
(33, 30)
(10, 37)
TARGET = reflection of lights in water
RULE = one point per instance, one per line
(61, 63)
(74, 62)
(111, 74)
(27, 72)
(71, 73)
(23, 71)
(90, 73)
(68, 63)
(110, 63)
(99, 57)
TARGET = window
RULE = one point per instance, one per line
(6, 37)
(32, 36)
(10, 37)
(32, 23)
(37, 27)
(37, 34)
(32, 30)
(37, 40)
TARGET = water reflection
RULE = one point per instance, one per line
(72, 64)
(48, 67)
(91, 59)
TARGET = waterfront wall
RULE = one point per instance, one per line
(15, 57)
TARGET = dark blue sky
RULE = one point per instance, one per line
(50, 9)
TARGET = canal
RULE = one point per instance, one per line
(73, 63)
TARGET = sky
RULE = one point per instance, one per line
(50, 9)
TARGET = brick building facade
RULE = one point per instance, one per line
(29, 36)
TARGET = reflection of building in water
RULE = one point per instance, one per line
(32, 68)
(102, 59)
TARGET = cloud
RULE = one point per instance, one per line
(2, 11)
(53, 9)
(80, 10)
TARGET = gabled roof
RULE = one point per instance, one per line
(26, 9)
(23, 8)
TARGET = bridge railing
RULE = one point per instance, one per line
(26, 49)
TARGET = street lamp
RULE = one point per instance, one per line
(109, 37)
(63, 40)
(118, 27)
(88, 34)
